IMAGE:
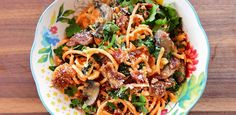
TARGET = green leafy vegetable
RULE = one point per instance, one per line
(139, 102)
(79, 47)
(79, 103)
(111, 105)
(175, 22)
(122, 93)
(161, 22)
(143, 109)
(152, 48)
(174, 87)
(72, 30)
(58, 51)
(125, 3)
(113, 40)
(153, 13)
(109, 30)
(89, 109)
(52, 68)
(124, 68)
(150, 44)
(70, 91)
(76, 103)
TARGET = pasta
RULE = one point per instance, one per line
(129, 58)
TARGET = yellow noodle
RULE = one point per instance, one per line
(161, 53)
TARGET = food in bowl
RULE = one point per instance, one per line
(123, 57)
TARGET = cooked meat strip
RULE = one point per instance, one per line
(115, 79)
(83, 38)
(170, 68)
(138, 76)
(122, 22)
(163, 40)
(157, 88)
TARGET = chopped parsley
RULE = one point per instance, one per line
(58, 51)
(70, 91)
(89, 109)
(109, 29)
(79, 103)
(122, 93)
(72, 29)
(139, 102)
(111, 105)
(124, 68)
(76, 103)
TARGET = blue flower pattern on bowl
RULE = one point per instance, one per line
(49, 38)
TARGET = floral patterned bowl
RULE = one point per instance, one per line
(50, 30)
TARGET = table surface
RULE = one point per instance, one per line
(18, 20)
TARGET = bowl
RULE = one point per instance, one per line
(50, 30)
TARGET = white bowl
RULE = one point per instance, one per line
(49, 32)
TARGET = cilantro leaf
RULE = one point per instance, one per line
(72, 29)
(58, 51)
(109, 29)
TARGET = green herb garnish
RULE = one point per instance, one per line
(153, 13)
(111, 105)
(72, 29)
(124, 68)
(58, 51)
(139, 102)
(76, 103)
(70, 91)
(122, 93)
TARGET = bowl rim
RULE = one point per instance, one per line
(199, 25)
